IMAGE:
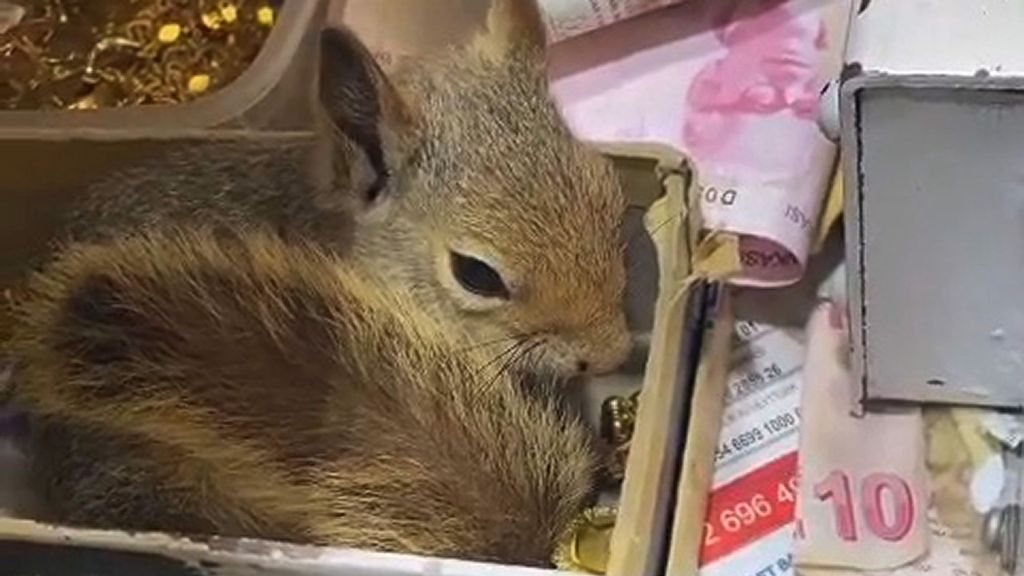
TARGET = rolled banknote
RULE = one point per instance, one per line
(956, 546)
(949, 555)
(569, 18)
(734, 84)
(863, 495)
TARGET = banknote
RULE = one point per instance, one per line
(734, 84)
(863, 490)
(948, 555)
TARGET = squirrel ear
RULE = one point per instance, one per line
(512, 24)
(364, 108)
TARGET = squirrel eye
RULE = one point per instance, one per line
(478, 277)
(373, 193)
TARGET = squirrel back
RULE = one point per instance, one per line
(453, 177)
(242, 386)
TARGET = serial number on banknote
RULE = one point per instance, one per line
(753, 380)
(775, 426)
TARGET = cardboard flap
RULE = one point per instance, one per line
(682, 374)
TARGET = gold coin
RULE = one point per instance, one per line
(229, 13)
(169, 33)
(212, 20)
(586, 544)
(265, 15)
(199, 83)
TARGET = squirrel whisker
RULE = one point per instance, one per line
(510, 350)
(525, 347)
(486, 343)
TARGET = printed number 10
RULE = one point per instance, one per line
(873, 491)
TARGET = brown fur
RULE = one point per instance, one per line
(461, 152)
(241, 386)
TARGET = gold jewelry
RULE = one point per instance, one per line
(586, 544)
(618, 418)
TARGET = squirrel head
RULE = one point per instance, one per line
(478, 200)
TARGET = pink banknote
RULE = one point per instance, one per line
(735, 84)
(863, 491)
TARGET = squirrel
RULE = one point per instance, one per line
(246, 386)
(453, 177)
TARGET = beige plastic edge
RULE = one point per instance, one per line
(640, 535)
(698, 463)
(269, 67)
